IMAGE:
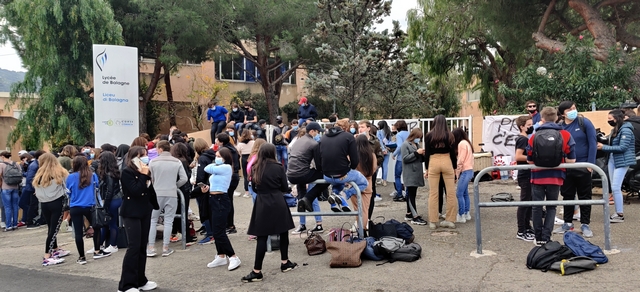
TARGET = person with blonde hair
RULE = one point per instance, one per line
(49, 184)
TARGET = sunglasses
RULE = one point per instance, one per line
(531, 106)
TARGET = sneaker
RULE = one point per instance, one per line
(442, 216)
(234, 263)
(616, 219)
(432, 226)
(334, 199)
(288, 266)
(447, 224)
(399, 199)
(564, 228)
(299, 230)
(252, 277)
(408, 217)
(176, 238)
(576, 215)
(384, 183)
(317, 229)
(51, 261)
(379, 181)
(111, 249)
(557, 221)
(467, 216)
(525, 236)
(69, 229)
(32, 226)
(539, 242)
(232, 230)
(20, 224)
(378, 198)
(335, 208)
(218, 262)
(81, 261)
(252, 237)
(61, 253)
(207, 240)
(393, 194)
(304, 206)
(461, 219)
(167, 252)
(586, 231)
(148, 286)
(418, 221)
(246, 195)
(2, 225)
(151, 253)
(92, 250)
(237, 194)
(101, 254)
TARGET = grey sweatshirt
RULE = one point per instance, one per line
(50, 193)
(167, 175)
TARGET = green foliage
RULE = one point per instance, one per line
(574, 75)
(54, 40)
(323, 106)
(156, 115)
(258, 102)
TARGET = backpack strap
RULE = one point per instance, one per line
(581, 124)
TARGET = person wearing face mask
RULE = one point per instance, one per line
(224, 142)
(306, 110)
(217, 116)
(532, 109)
(280, 141)
(631, 117)
(232, 133)
(412, 157)
(293, 132)
(237, 116)
(523, 215)
(365, 128)
(622, 155)
(353, 128)
(578, 180)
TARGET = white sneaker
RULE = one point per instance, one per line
(460, 219)
(149, 286)
(378, 198)
(467, 216)
(234, 263)
(111, 249)
(237, 194)
(92, 250)
(217, 262)
(393, 194)
(558, 221)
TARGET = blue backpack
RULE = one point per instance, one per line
(581, 247)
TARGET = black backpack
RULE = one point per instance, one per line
(547, 148)
(407, 253)
(541, 257)
(12, 174)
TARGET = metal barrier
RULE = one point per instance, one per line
(604, 201)
(183, 218)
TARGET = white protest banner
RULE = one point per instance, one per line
(499, 135)
(115, 81)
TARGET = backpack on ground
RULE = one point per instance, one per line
(574, 265)
(388, 245)
(407, 253)
(581, 247)
(547, 148)
(12, 174)
(541, 257)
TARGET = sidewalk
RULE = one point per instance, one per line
(446, 264)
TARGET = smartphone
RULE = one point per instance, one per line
(137, 162)
(200, 184)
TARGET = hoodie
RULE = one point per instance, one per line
(235, 156)
(339, 152)
(207, 157)
(307, 111)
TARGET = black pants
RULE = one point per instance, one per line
(220, 206)
(261, 249)
(441, 191)
(542, 228)
(217, 128)
(244, 160)
(411, 199)
(374, 194)
(302, 181)
(235, 180)
(52, 213)
(135, 260)
(77, 217)
(577, 181)
(524, 213)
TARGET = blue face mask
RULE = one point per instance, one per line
(253, 137)
(92, 155)
(416, 140)
(145, 160)
(295, 128)
(572, 115)
(86, 151)
(219, 160)
(317, 137)
(213, 107)
(235, 109)
(231, 134)
(352, 130)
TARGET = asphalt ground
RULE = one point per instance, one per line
(446, 263)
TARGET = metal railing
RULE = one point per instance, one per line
(183, 218)
(604, 201)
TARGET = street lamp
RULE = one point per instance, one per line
(334, 76)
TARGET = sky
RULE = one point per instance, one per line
(9, 59)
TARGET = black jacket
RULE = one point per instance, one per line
(235, 156)
(339, 152)
(109, 189)
(207, 157)
(237, 117)
(635, 122)
(138, 200)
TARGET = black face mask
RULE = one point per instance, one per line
(530, 130)
(612, 123)
(394, 132)
(532, 111)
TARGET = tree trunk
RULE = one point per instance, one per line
(142, 116)
(171, 106)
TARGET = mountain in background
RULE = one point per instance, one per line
(8, 77)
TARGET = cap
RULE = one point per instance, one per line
(279, 118)
(314, 126)
(22, 152)
(302, 100)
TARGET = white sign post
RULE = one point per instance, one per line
(115, 81)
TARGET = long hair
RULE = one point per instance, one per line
(139, 141)
(245, 137)
(108, 166)
(302, 132)
(401, 125)
(256, 146)
(266, 154)
(225, 153)
(122, 150)
(383, 126)
(180, 151)
(618, 116)
(49, 170)
(415, 133)
(80, 165)
(200, 145)
(365, 153)
(459, 134)
(439, 136)
(135, 151)
(69, 151)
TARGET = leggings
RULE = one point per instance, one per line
(411, 199)
(52, 213)
(261, 249)
(77, 217)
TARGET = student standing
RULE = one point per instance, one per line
(10, 195)
(403, 133)
(412, 175)
(525, 231)
(109, 176)
(464, 173)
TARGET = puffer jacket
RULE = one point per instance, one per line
(622, 147)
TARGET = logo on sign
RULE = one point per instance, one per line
(118, 123)
(101, 59)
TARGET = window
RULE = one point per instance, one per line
(473, 95)
(237, 69)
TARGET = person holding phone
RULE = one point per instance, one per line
(138, 201)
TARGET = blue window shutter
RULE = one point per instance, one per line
(251, 67)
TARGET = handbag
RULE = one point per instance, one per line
(315, 244)
(345, 254)
(99, 215)
(339, 234)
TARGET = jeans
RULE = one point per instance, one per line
(217, 128)
(542, 229)
(577, 181)
(616, 176)
(462, 191)
(135, 259)
(170, 205)
(23, 203)
(220, 207)
(114, 207)
(52, 212)
(316, 208)
(398, 176)
(411, 201)
(523, 214)
(351, 176)
(253, 194)
(282, 155)
(300, 122)
(385, 167)
(10, 200)
(238, 126)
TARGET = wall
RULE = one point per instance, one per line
(7, 122)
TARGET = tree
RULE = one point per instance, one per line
(203, 90)
(269, 36)
(170, 33)
(54, 40)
